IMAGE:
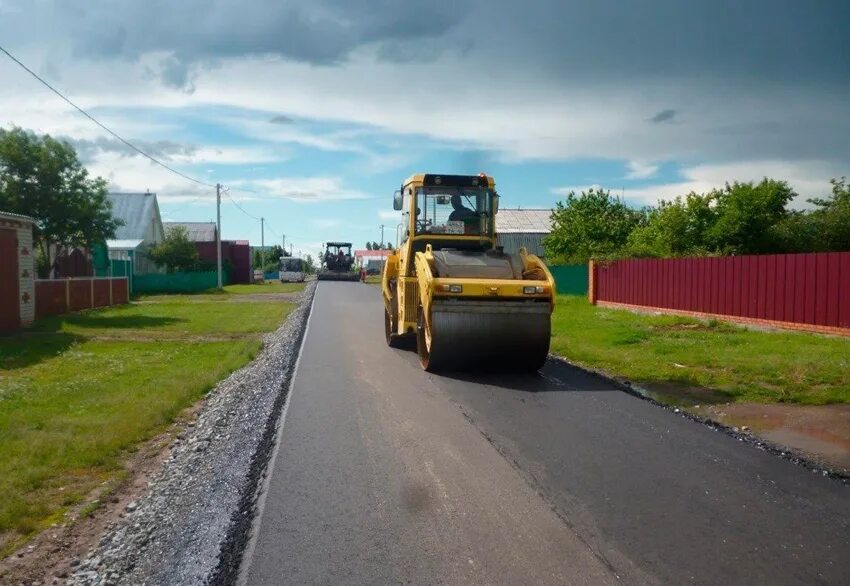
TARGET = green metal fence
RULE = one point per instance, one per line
(177, 282)
(570, 279)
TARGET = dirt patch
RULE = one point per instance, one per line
(820, 432)
(690, 327)
(52, 555)
(686, 395)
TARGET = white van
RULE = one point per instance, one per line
(291, 270)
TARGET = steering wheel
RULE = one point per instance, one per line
(422, 225)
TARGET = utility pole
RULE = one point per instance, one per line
(283, 243)
(218, 230)
(263, 235)
(382, 236)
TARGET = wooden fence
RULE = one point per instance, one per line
(799, 291)
(55, 296)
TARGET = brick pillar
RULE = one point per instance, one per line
(591, 282)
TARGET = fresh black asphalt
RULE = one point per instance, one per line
(387, 474)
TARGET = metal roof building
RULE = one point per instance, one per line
(142, 229)
(518, 227)
(197, 231)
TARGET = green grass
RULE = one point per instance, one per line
(228, 293)
(268, 287)
(80, 390)
(170, 315)
(676, 356)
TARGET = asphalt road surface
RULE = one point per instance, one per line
(385, 474)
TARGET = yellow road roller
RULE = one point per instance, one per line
(466, 302)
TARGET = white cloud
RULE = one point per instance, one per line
(808, 178)
(522, 113)
(389, 215)
(577, 189)
(639, 170)
(325, 223)
(304, 189)
(228, 155)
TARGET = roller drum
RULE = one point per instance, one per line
(337, 276)
(490, 335)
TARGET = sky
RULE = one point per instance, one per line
(312, 112)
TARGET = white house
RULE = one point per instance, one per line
(142, 229)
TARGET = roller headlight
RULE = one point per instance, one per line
(452, 288)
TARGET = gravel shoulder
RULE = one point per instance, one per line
(191, 525)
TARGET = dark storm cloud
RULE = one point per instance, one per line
(663, 116)
(175, 73)
(315, 31)
(755, 40)
(787, 41)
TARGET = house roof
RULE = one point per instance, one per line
(137, 210)
(12, 216)
(512, 221)
(197, 231)
(128, 244)
(371, 253)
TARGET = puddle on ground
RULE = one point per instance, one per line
(821, 432)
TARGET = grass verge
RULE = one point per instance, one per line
(78, 391)
(267, 287)
(710, 360)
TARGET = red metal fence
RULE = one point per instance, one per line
(235, 252)
(803, 291)
(65, 295)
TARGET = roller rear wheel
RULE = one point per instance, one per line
(424, 344)
(394, 340)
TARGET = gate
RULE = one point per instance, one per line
(10, 304)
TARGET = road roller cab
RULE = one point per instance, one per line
(463, 300)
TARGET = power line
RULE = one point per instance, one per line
(243, 210)
(103, 126)
(272, 230)
(134, 147)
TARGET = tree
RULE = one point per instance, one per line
(593, 224)
(176, 252)
(747, 214)
(675, 228)
(309, 265)
(42, 177)
(368, 246)
(832, 217)
(274, 255)
(825, 228)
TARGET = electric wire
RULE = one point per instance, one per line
(103, 126)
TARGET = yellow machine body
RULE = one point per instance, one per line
(464, 300)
